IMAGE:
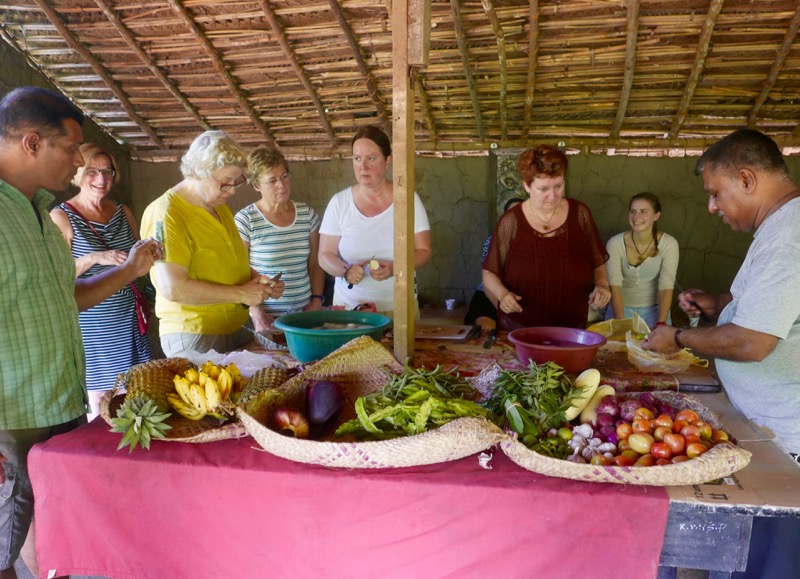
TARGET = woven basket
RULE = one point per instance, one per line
(359, 367)
(720, 461)
(208, 429)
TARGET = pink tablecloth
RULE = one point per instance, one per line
(226, 509)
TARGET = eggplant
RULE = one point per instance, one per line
(324, 403)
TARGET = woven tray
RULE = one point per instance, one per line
(208, 429)
(721, 460)
(359, 368)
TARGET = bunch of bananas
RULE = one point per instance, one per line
(205, 392)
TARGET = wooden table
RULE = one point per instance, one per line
(201, 510)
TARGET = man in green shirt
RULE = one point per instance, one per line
(42, 390)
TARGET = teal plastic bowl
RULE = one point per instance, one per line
(307, 342)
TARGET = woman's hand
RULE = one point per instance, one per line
(355, 273)
(599, 297)
(261, 320)
(509, 303)
(109, 257)
(384, 271)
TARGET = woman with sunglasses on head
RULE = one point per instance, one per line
(101, 231)
(282, 236)
(204, 284)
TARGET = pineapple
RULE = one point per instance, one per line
(141, 420)
(141, 416)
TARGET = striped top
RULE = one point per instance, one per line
(110, 329)
(275, 249)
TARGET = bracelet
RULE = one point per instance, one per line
(344, 275)
(320, 297)
(661, 324)
(678, 339)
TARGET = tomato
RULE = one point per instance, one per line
(695, 449)
(689, 416)
(691, 438)
(642, 425)
(600, 459)
(564, 433)
(660, 432)
(630, 453)
(718, 435)
(676, 443)
(690, 429)
(664, 420)
(623, 445)
(678, 459)
(645, 460)
(705, 429)
(622, 460)
(624, 430)
(661, 450)
(678, 425)
(641, 442)
(643, 412)
(663, 462)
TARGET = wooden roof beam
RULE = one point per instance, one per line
(533, 59)
(630, 65)
(775, 70)
(372, 87)
(277, 28)
(703, 46)
(130, 40)
(491, 14)
(419, 89)
(461, 37)
(222, 69)
(100, 70)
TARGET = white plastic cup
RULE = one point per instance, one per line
(450, 304)
(694, 321)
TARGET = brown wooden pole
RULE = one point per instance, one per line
(403, 183)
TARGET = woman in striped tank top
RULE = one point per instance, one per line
(282, 236)
(110, 329)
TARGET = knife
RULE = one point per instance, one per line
(474, 332)
(490, 339)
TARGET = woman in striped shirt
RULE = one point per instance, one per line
(100, 232)
(282, 236)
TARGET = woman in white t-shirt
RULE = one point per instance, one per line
(642, 265)
(358, 227)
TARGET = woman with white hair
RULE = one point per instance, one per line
(204, 284)
(101, 231)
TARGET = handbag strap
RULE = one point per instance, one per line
(72, 208)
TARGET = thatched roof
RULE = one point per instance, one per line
(598, 75)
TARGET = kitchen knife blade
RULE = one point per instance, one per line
(474, 332)
(490, 339)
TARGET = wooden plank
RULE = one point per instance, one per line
(403, 184)
(419, 32)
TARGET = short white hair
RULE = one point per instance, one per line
(209, 152)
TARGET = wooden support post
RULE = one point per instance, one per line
(403, 180)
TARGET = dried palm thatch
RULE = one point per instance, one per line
(628, 75)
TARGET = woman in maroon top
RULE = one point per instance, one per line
(546, 262)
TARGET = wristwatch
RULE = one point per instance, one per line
(320, 297)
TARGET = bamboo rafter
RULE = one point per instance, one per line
(222, 70)
(533, 60)
(491, 14)
(98, 68)
(298, 69)
(703, 47)
(630, 64)
(461, 38)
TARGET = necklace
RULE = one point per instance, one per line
(545, 222)
(636, 247)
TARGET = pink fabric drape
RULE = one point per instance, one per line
(228, 509)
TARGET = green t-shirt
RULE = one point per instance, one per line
(41, 351)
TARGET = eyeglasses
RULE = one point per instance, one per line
(91, 172)
(225, 187)
(285, 178)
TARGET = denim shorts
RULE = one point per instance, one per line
(16, 494)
